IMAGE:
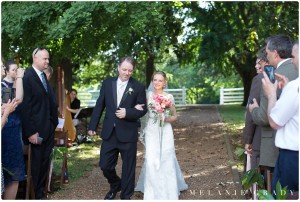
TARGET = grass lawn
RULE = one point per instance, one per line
(81, 160)
(234, 118)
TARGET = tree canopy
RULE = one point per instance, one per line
(88, 38)
(230, 34)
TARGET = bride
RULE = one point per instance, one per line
(161, 177)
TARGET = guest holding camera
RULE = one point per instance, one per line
(12, 145)
(279, 54)
(283, 116)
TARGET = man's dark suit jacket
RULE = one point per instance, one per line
(39, 111)
(126, 128)
(252, 131)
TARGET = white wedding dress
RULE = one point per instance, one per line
(160, 177)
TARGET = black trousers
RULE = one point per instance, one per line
(109, 153)
(40, 164)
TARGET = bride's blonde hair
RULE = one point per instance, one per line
(159, 72)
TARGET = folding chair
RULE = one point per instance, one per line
(267, 173)
(269, 180)
(61, 140)
(30, 194)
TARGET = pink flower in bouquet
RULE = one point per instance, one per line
(158, 108)
(159, 104)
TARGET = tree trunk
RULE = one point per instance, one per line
(149, 68)
(247, 75)
(67, 67)
(247, 85)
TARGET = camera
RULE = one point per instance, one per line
(250, 101)
(269, 69)
(39, 140)
(8, 93)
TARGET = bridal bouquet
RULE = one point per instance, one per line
(159, 105)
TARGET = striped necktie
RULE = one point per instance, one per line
(44, 81)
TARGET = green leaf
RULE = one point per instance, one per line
(239, 152)
(250, 177)
(58, 152)
(263, 194)
(281, 193)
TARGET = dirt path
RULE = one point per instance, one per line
(202, 155)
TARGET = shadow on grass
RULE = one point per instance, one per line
(81, 160)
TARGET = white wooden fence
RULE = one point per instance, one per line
(88, 98)
(179, 95)
(231, 95)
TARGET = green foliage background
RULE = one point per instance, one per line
(201, 45)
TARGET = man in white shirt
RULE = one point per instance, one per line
(283, 116)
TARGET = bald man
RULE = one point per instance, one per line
(39, 116)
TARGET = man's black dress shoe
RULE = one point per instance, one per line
(110, 195)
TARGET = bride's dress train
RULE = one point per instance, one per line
(160, 176)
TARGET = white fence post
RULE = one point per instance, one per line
(88, 98)
(231, 95)
(221, 95)
(183, 95)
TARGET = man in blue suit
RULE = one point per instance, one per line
(119, 95)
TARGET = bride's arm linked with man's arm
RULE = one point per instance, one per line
(169, 119)
(134, 114)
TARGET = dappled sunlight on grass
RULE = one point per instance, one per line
(81, 158)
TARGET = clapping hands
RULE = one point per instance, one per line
(9, 107)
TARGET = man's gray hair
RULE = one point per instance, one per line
(282, 44)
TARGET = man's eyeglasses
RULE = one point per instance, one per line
(258, 62)
(37, 50)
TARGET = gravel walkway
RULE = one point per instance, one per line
(202, 155)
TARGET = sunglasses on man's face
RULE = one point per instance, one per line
(37, 50)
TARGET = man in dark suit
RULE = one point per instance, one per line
(39, 118)
(119, 95)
